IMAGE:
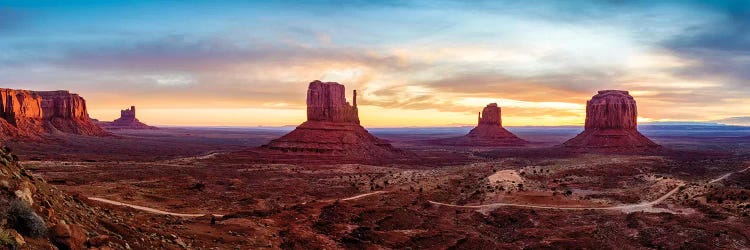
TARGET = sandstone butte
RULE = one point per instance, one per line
(611, 125)
(488, 132)
(127, 120)
(32, 114)
(332, 128)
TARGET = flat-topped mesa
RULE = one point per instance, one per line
(612, 125)
(30, 114)
(326, 101)
(488, 132)
(332, 128)
(490, 115)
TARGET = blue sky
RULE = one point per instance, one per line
(414, 62)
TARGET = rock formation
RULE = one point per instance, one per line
(127, 120)
(332, 128)
(31, 114)
(488, 132)
(35, 215)
(611, 125)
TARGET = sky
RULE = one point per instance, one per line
(414, 63)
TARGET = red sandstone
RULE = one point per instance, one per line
(488, 132)
(127, 120)
(31, 114)
(611, 125)
(332, 128)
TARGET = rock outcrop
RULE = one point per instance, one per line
(332, 128)
(37, 215)
(31, 114)
(127, 120)
(488, 132)
(611, 125)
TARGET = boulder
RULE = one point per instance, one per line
(488, 132)
(65, 236)
(611, 125)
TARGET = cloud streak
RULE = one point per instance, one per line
(541, 60)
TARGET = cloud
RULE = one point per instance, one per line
(720, 47)
(741, 121)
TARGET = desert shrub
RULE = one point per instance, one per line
(198, 186)
(25, 220)
(7, 239)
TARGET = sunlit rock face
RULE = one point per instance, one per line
(611, 125)
(491, 115)
(332, 128)
(31, 114)
(611, 109)
(488, 132)
(326, 101)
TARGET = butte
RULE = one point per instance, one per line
(488, 132)
(611, 126)
(333, 129)
(127, 120)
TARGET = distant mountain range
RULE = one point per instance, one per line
(740, 121)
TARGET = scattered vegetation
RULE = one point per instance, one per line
(7, 240)
(24, 220)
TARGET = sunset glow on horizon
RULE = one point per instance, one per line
(414, 63)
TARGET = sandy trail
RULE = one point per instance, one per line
(645, 206)
(363, 195)
(162, 212)
(721, 178)
(147, 209)
(627, 208)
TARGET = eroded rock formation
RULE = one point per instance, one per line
(488, 132)
(127, 120)
(332, 128)
(611, 125)
(31, 114)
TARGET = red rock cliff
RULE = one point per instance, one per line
(326, 101)
(32, 113)
(490, 115)
(332, 129)
(611, 109)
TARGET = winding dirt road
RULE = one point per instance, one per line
(626, 208)
(147, 209)
(162, 212)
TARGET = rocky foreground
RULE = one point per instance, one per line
(35, 215)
